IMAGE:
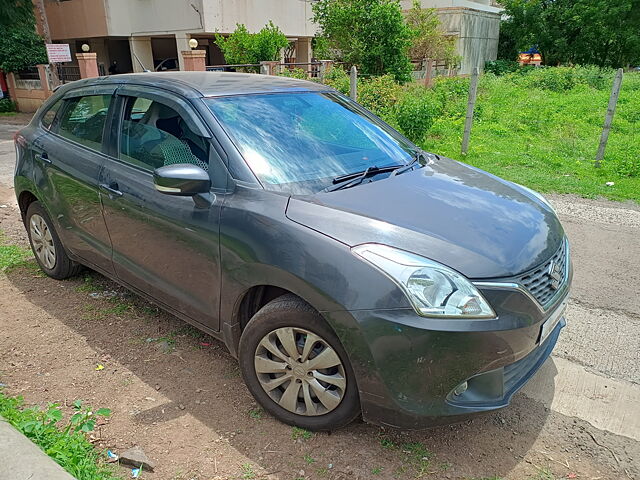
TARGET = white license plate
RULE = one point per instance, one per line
(552, 321)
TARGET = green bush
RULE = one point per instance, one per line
(379, 94)
(415, 112)
(339, 79)
(294, 73)
(556, 79)
(595, 77)
(242, 47)
(562, 79)
(7, 105)
(501, 67)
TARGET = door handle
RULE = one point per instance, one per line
(43, 157)
(111, 189)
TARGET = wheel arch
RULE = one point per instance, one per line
(26, 198)
(253, 298)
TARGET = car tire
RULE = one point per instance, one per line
(46, 245)
(321, 398)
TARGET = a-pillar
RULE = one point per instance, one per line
(194, 60)
(88, 63)
(141, 53)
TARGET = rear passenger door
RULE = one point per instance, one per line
(70, 156)
(163, 245)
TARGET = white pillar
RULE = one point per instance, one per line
(303, 50)
(141, 48)
(182, 45)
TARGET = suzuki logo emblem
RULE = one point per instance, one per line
(555, 273)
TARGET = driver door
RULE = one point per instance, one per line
(165, 246)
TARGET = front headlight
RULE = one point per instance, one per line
(433, 289)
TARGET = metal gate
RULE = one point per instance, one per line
(67, 73)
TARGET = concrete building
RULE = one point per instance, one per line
(474, 23)
(140, 34)
(137, 33)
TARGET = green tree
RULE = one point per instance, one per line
(20, 45)
(244, 47)
(371, 34)
(595, 32)
(15, 11)
(428, 37)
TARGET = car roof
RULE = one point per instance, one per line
(207, 84)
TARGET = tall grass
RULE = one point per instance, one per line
(537, 127)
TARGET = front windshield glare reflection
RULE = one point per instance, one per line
(301, 141)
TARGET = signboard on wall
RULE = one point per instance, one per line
(58, 52)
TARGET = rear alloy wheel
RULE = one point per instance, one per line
(46, 245)
(42, 241)
(296, 368)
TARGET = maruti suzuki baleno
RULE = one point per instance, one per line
(350, 272)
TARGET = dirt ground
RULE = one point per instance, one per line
(178, 393)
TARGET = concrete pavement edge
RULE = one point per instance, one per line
(21, 458)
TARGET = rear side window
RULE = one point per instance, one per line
(84, 118)
(50, 115)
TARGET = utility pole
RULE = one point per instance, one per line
(44, 26)
(473, 91)
(611, 109)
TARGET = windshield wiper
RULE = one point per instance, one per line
(419, 156)
(355, 178)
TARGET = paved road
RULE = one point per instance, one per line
(594, 373)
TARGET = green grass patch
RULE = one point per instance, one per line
(546, 139)
(300, 433)
(536, 127)
(13, 256)
(64, 441)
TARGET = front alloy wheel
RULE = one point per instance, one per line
(300, 371)
(296, 368)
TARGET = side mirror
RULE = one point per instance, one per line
(181, 179)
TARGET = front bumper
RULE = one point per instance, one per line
(408, 367)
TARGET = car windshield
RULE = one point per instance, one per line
(299, 142)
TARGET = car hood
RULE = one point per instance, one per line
(472, 221)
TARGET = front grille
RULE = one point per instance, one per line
(548, 278)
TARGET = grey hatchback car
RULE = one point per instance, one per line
(350, 272)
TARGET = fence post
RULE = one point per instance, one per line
(268, 67)
(473, 90)
(325, 67)
(44, 80)
(428, 74)
(611, 109)
(353, 83)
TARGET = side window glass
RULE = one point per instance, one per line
(84, 118)
(49, 115)
(154, 135)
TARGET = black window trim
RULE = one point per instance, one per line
(114, 127)
(63, 110)
(54, 122)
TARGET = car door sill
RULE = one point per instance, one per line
(164, 306)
